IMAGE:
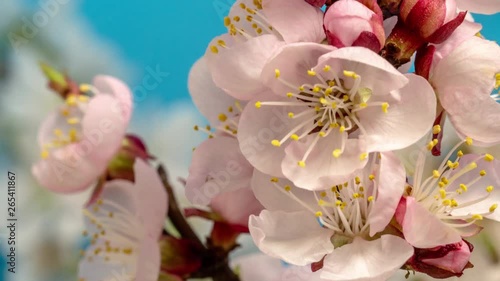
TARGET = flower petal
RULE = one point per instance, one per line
(217, 166)
(236, 206)
(375, 72)
(258, 127)
(210, 100)
(367, 260)
(296, 238)
(487, 7)
(152, 197)
(117, 89)
(410, 116)
(269, 269)
(307, 23)
(274, 199)
(293, 61)
(322, 169)
(391, 182)
(424, 230)
(237, 67)
(478, 189)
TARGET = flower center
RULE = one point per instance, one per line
(67, 126)
(325, 107)
(435, 192)
(343, 208)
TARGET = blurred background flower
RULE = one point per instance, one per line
(133, 41)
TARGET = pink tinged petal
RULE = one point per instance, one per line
(236, 206)
(237, 67)
(64, 172)
(307, 25)
(376, 73)
(149, 260)
(74, 167)
(274, 199)
(454, 261)
(258, 127)
(353, 24)
(120, 91)
(269, 269)
(473, 114)
(478, 189)
(473, 64)
(487, 7)
(391, 182)
(464, 81)
(423, 229)
(217, 166)
(322, 169)
(103, 130)
(367, 260)
(296, 238)
(96, 268)
(463, 32)
(293, 61)
(152, 198)
(389, 24)
(368, 40)
(210, 100)
(410, 115)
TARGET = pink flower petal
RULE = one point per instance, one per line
(322, 169)
(307, 23)
(376, 73)
(391, 182)
(293, 61)
(210, 100)
(217, 166)
(117, 89)
(364, 260)
(274, 199)
(237, 67)
(478, 189)
(487, 7)
(259, 267)
(410, 115)
(279, 235)
(236, 206)
(258, 127)
(423, 229)
(152, 197)
(73, 167)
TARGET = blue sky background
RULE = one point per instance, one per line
(174, 33)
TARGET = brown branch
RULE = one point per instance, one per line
(175, 213)
(219, 271)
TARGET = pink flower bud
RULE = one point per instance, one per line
(444, 261)
(433, 20)
(350, 23)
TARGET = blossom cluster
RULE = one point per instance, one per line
(341, 159)
(349, 138)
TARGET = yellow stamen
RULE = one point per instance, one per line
(336, 153)
(436, 129)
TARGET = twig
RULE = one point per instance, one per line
(175, 213)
